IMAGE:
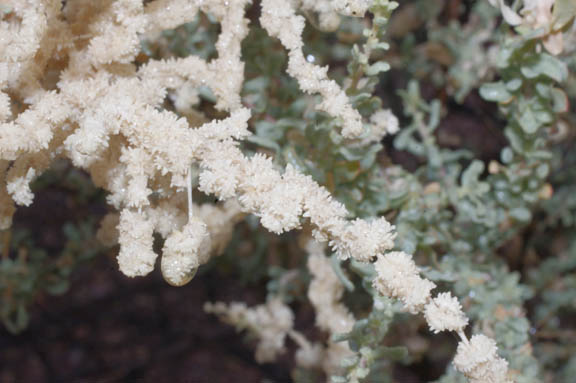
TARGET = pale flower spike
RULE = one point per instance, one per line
(270, 323)
(280, 20)
(325, 292)
(477, 359)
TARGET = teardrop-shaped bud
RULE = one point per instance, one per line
(181, 252)
(178, 269)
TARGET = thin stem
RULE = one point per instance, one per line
(463, 336)
(190, 207)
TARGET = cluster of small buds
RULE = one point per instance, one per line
(363, 240)
(477, 359)
(382, 123)
(270, 323)
(184, 250)
(399, 277)
(325, 292)
(280, 20)
(136, 256)
(444, 313)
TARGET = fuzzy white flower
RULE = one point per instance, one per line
(493, 371)
(260, 178)
(416, 294)
(363, 240)
(105, 113)
(137, 190)
(19, 188)
(219, 178)
(383, 123)
(279, 19)
(136, 256)
(398, 276)
(444, 312)
(477, 359)
(393, 269)
(118, 41)
(182, 252)
(478, 349)
(325, 292)
(168, 216)
(283, 208)
(324, 212)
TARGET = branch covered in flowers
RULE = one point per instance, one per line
(105, 113)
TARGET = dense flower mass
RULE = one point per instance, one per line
(444, 312)
(478, 360)
(399, 277)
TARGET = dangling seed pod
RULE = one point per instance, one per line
(184, 251)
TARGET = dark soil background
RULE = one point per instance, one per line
(109, 328)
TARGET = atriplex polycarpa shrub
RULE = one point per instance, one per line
(276, 109)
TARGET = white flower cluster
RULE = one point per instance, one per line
(269, 323)
(382, 123)
(445, 313)
(70, 88)
(280, 20)
(136, 255)
(398, 276)
(478, 360)
(363, 240)
(325, 292)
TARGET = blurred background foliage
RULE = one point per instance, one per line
(480, 182)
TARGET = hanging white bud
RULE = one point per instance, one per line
(184, 250)
(136, 256)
